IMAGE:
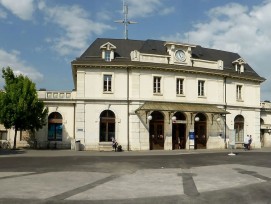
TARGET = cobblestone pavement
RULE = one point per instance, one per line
(154, 177)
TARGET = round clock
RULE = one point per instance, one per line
(180, 55)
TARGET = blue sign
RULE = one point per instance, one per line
(191, 135)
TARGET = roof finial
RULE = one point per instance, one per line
(125, 21)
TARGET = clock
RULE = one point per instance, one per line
(180, 55)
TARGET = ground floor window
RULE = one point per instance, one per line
(55, 127)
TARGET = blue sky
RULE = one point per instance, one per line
(40, 38)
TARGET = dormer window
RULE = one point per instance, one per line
(107, 55)
(108, 51)
(239, 65)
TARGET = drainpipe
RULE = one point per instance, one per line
(128, 110)
(225, 118)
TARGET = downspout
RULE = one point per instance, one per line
(225, 118)
(128, 110)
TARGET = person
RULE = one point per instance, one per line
(246, 141)
(114, 144)
(249, 142)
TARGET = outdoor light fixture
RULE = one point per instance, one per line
(148, 117)
(196, 119)
(173, 118)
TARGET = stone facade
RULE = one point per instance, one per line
(156, 95)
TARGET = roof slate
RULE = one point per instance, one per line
(125, 46)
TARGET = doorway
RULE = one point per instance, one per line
(157, 131)
(200, 131)
(179, 131)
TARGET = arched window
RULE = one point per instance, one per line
(239, 128)
(55, 127)
(107, 126)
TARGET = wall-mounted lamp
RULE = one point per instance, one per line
(173, 119)
(196, 119)
(148, 117)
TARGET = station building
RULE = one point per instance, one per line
(153, 94)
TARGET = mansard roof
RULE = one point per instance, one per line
(125, 46)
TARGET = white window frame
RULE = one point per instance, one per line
(239, 92)
(107, 55)
(157, 89)
(178, 86)
(201, 89)
(107, 86)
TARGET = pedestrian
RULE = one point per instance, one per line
(114, 144)
(246, 141)
(249, 142)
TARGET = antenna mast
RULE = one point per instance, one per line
(125, 21)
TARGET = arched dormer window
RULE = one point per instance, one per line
(108, 51)
(239, 65)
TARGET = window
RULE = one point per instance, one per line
(55, 127)
(179, 86)
(238, 68)
(201, 88)
(107, 83)
(157, 85)
(239, 92)
(107, 55)
(3, 134)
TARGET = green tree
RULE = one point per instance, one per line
(20, 107)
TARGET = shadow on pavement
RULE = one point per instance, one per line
(11, 151)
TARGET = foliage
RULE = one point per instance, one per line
(19, 104)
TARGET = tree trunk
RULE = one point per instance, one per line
(15, 138)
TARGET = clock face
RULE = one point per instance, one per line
(180, 55)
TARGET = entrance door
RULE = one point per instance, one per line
(178, 136)
(156, 135)
(200, 132)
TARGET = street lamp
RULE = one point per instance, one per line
(196, 119)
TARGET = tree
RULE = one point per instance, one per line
(20, 107)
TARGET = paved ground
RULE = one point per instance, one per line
(198, 176)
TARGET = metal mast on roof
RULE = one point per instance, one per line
(125, 21)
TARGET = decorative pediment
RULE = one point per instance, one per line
(239, 65)
(239, 61)
(108, 46)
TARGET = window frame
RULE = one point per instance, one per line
(239, 92)
(107, 55)
(157, 87)
(201, 88)
(179, 87)
(107, 90)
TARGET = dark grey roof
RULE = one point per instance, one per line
(124, 48)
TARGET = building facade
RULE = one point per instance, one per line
(155, 94)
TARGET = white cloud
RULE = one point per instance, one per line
(12, 59)
(76, 26)
(237, 28)
(22, 8)
(144, 8)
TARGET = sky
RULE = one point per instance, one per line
(40, 38)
